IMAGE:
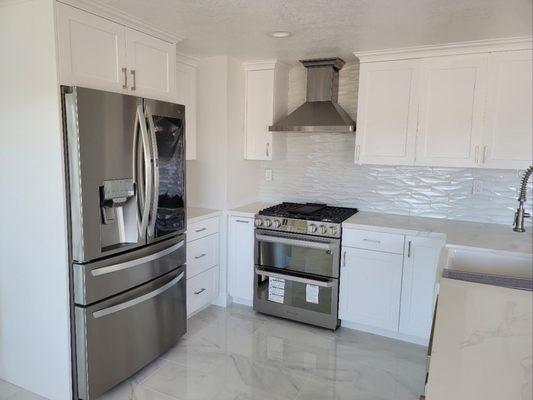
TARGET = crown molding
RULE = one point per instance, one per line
(186, 59)
(471, 47)
(257, 65)
(123, 18)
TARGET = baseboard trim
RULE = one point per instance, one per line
(385, 333)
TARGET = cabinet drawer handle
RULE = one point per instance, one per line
(200, 230)
(200, 256)
(134, 85)
(125, 72)
(409, 249)
(200, 291)
(241, 221)
(372, 241)
(344, 258)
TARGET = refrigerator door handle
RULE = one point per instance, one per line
(139, 261)
(140, 121)
(155, 174)
(138, 300)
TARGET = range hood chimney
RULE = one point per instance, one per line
(320, 112)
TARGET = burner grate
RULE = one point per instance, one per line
(309, 211)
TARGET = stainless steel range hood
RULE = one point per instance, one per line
(321, 112)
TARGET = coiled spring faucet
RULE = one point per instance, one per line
(520, 213)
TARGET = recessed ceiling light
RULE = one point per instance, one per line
(280, 34)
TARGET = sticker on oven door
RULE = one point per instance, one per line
(311, 294)
(276, 290)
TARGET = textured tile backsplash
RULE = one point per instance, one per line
(320, 168)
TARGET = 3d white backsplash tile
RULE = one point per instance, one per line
(320, 168)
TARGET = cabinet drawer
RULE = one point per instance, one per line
(379, 241)
(202, 228)
(202, 254)
(202, 290)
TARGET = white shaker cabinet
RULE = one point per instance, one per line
(241, 258)
(387, 112)
(186, 84)
(370, 286)
(421, 258)
(508, 129)
(97, 53)
(92, 50)
(151, 66)
(266, 85)
(452, 100)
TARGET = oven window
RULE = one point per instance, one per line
(295, 258)
(296, 294)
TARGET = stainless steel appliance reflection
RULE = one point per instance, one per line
(297, 262)
(126, 179)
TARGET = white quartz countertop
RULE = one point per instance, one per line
(249, 210)
(198, 213)
(457, 233)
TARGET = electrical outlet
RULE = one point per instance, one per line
(268, 174)
(477, 186)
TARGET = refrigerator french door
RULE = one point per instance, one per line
(125, 158)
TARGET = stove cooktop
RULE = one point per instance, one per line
(310, 212)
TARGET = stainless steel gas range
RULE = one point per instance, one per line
(297, 262)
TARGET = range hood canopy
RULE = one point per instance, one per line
(320, 112)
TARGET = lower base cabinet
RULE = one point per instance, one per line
(241, 259)
(389, 291)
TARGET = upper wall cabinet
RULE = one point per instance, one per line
(97, 53)
(463, 105)
(450, 119)
(508, 131)
(186, 76)
(387, 112)
(266, 85)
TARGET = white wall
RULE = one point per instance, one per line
(220, 177)
(34, 301)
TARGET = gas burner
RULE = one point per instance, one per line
(310, 218)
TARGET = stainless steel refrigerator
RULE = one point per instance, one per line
(125, 157)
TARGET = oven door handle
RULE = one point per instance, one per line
(294, 242)
(293, 278)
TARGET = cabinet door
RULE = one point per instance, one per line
(418, 285)
(387, 113)
(92, 50)
(259, 114)
(241, 259)
(186, 95)
(151, 66)
(452, 100)
(370, 286)
(508, 119)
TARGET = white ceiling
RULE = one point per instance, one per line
(327, 27)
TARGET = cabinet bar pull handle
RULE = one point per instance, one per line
(372, 241)
(268, 149)
(409, 249)
(357, 152)
(200, 256)
(200, 291)
(125, 72)
(484, 155)
(344, 258)
(477, 155)
(200, 230)
(242, 221)
(134, 85)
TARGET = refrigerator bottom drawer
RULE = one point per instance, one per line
(119, 336)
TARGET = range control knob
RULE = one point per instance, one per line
(323, 229)
(268, 223)
(312, 228)
(333, 230)
(276, 223)
(258, 222)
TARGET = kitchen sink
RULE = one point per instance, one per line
(514, 270)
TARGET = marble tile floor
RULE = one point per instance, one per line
(237, 354)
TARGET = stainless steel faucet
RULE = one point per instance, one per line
(520, 213)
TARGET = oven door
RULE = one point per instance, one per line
(313, 301)
(297, 253)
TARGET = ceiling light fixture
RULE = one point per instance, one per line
(280, 34)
